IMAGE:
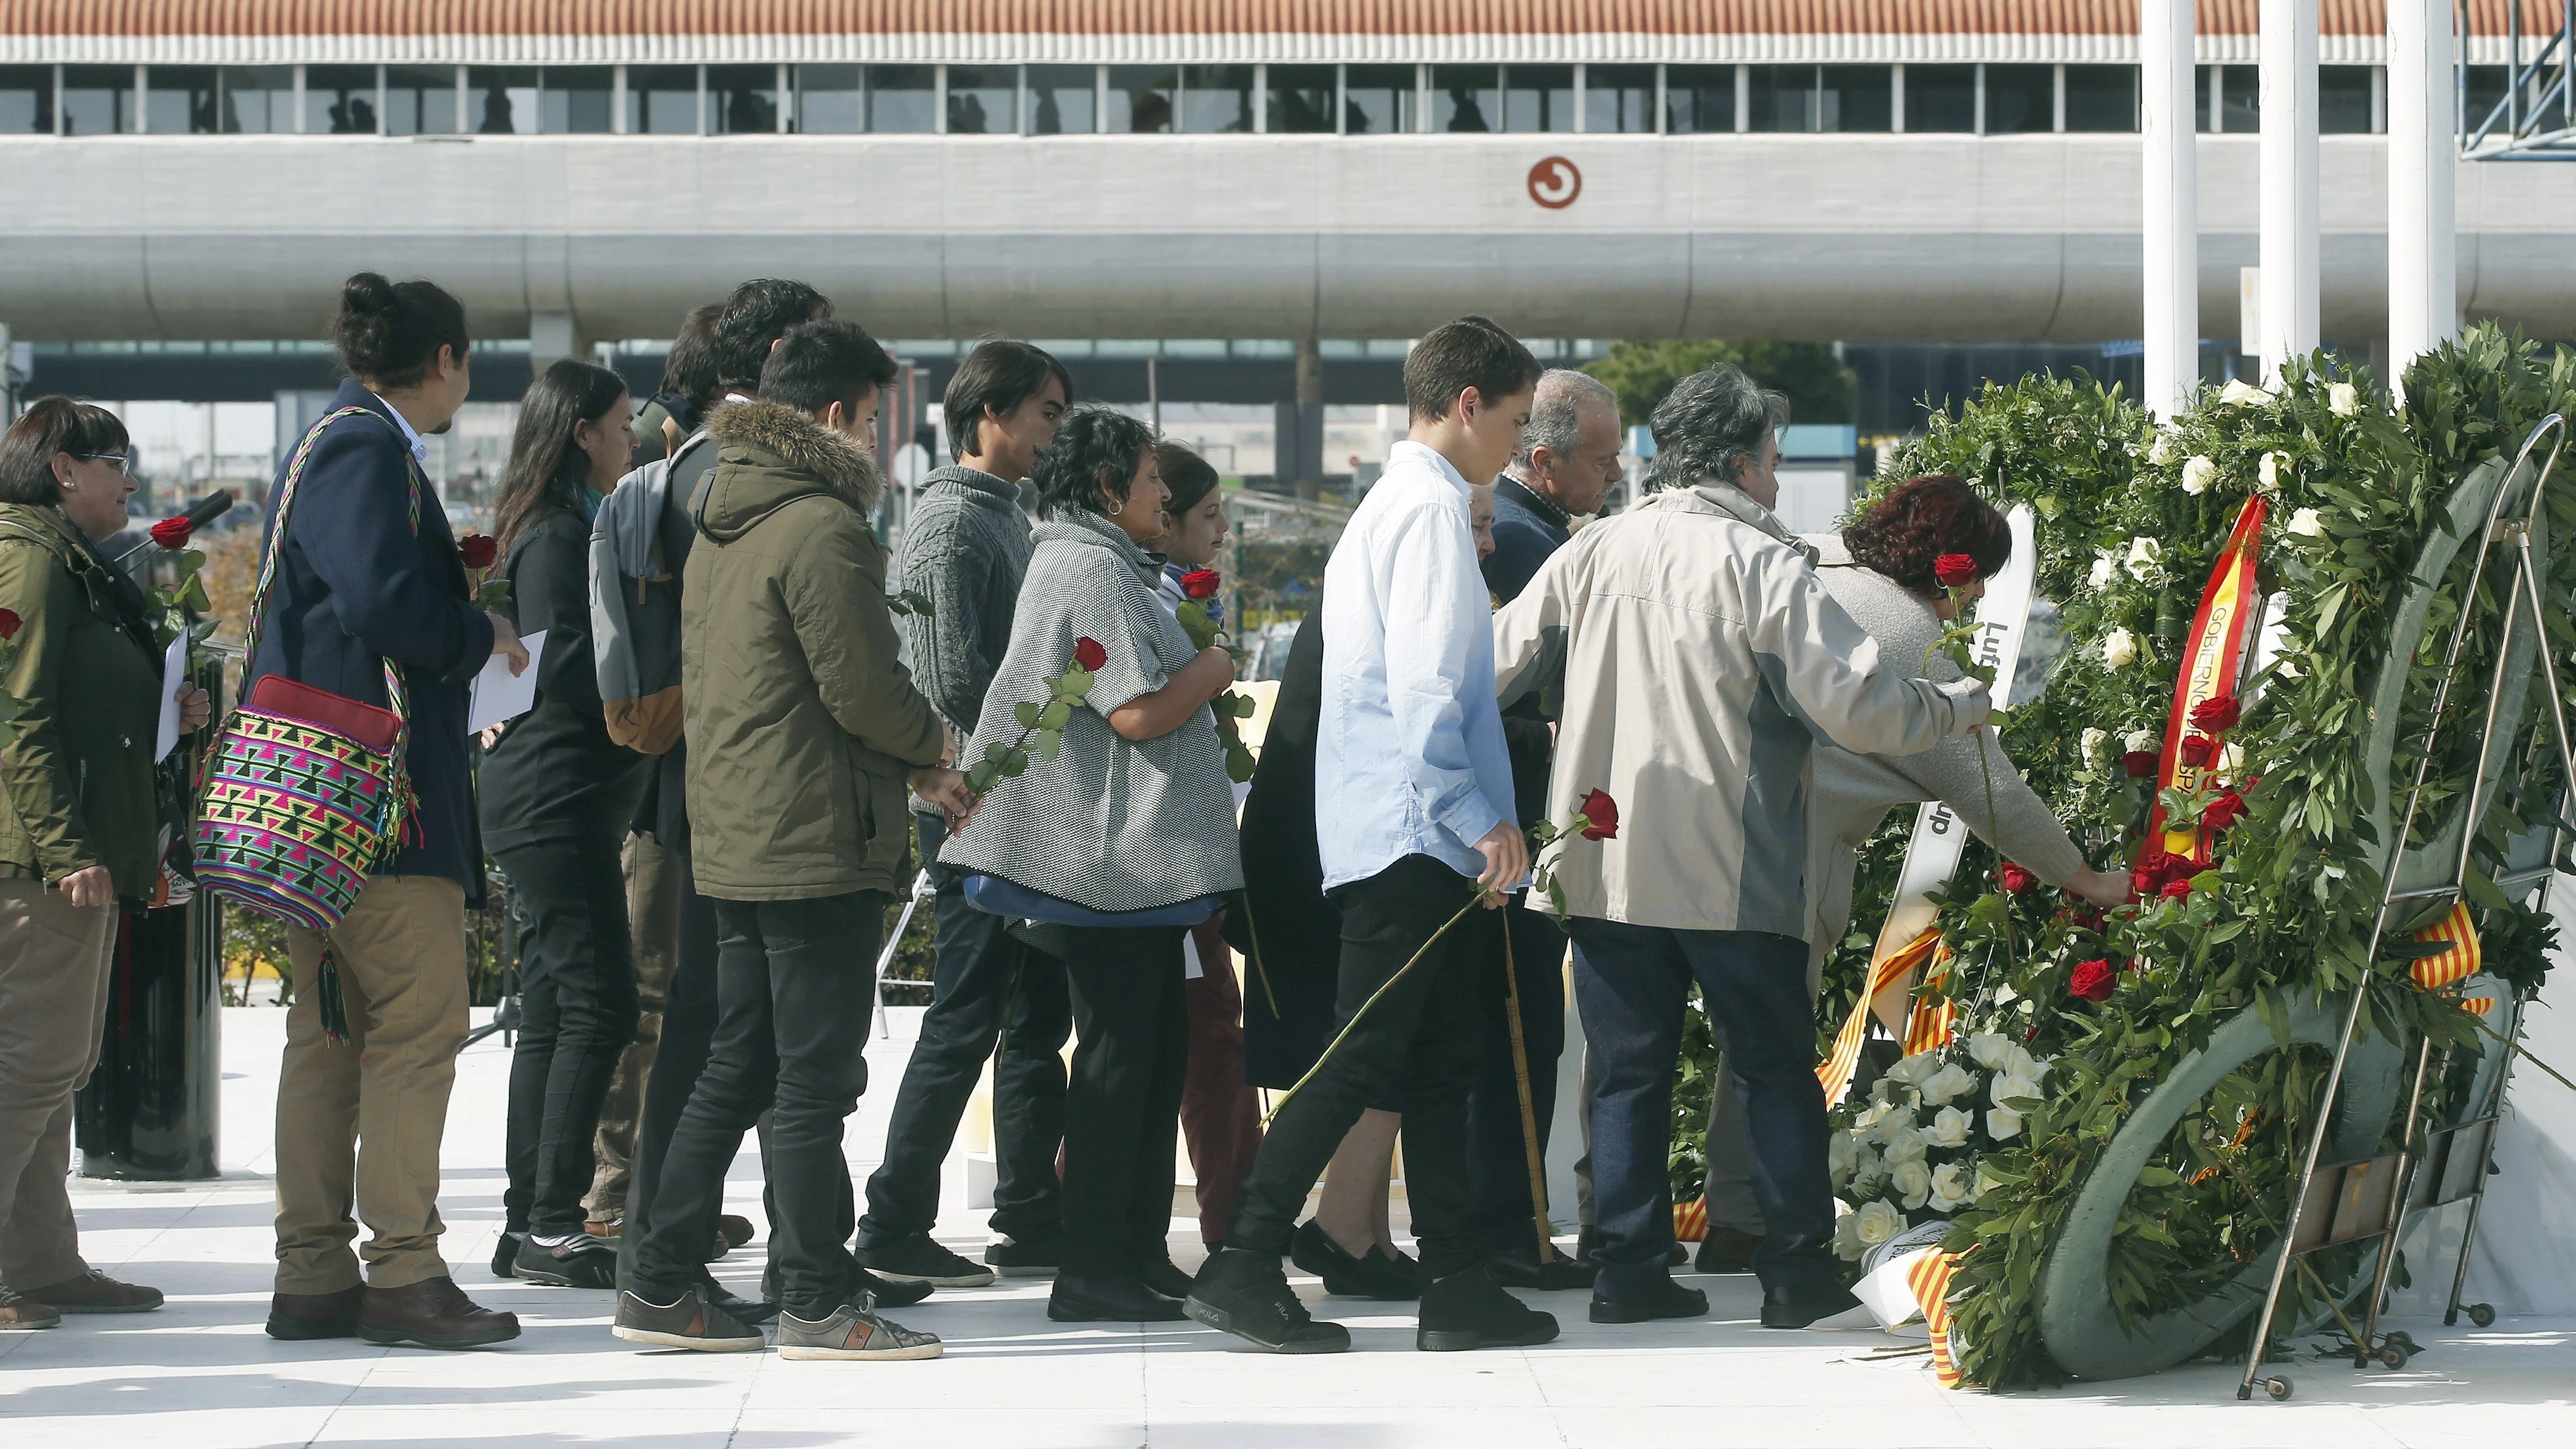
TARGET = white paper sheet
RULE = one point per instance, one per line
(174, 672)
(500, 695)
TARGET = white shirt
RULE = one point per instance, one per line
(411, 435)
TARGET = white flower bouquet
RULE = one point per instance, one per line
(1907, 1153)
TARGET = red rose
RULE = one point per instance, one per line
(2224, 811)
(479, 550)
(2149, 874)
(9, 622)
(1600, 816)
(2195, 749)
(1955, 570)
(172, 533)
(2217, 716)
(2177, 888)
(2016, 879)
(1201, 583)
(2093, 981)
(1088, 656)
(2140, 764)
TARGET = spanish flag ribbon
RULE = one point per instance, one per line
(2462, 958)
(1891, 973)
(1930, 1280)
(2228, 608)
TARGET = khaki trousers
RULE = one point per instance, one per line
(655, 879)
(53, 1005)
(359, 1122)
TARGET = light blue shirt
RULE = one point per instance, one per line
(1409, 756)
(411, 435)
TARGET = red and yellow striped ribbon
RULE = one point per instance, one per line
(2209, 669)
(1891, 974)
(1690, 1220)
(2458, 963)
(1930, 1280)
(1929, 1025)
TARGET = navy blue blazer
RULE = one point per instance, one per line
(357, 584)
(1526, 530)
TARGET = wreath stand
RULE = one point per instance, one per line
(2349, 1199)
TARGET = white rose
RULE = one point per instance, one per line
(2138, 740)
(1951, 1187)
(1950, 1082)
(1864, 1173)
(2240, 393)
(2305, 523)
(1905, 1146)
(1870, 1116)
(2103, 564)
(2162, 453)
(2011, 1086)
(1950, 1128)
(2003, 1124)
(2268, 472)
(2144, 562)
(2119, 649)
(2197, 474)
(2091, 743)
(1911, 1181)
(1847, 1243)
(1913, 1071)
(2343, 399)
(1841, 1149)
(2023, 1064)
(1991, 1049)
(1878, 1222)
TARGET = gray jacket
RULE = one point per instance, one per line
(965, 548)
(1853, 793)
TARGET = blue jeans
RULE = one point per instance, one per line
(1631, 982)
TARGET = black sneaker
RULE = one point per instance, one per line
(1108, 1300)
(1523, 1270)
(1012, 1258)
(1163, 1277)
(1726, 1250)
(917, 1259)
(1245, 1294)
(1667, 1299)
(750, 1311)
(1470, 1310)
(686, 1322)
(579, 1261)
(505, 1255)
(852, 1331)
(1352, 1275)
(1805, 1305)
(888, 1292)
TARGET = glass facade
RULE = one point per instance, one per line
(755, 98)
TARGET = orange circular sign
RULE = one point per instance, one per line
(1554, 183)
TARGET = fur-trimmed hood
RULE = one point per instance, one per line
(773, 455)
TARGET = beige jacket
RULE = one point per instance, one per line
(1699, 661)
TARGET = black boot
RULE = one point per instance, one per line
(1078, 1299)
(1805, 1304)
(1470, 1310)
(1245, 1294)
(1667, 1299)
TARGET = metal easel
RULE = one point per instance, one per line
(2366, 1199)
(921, 891)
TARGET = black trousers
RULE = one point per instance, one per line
(795, 991)
(1122, 1108)
(688, 1031)
(1424, 1028)
(578, 1007)
(986, 989)
(1497, 1147)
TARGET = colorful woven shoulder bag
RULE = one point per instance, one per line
(303, 794)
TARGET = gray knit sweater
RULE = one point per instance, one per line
(1853, 793)
(965, 549)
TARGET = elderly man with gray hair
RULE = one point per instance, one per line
(1700, 660)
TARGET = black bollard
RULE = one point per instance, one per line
(152, 1107)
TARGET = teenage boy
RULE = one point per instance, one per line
(1414, 813)
(807, 731)
(965, 549)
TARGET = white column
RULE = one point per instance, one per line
(2423, 249)
(2288, 212)
(2172, 210)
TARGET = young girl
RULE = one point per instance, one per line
(1194, 526)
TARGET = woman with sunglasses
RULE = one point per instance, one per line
(80, 826)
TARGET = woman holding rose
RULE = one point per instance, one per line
(1134, 816)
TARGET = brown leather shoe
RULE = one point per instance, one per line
(18, 1311)
(297, 1317)
(604, 1229)
(433, 1313)
(95, 1292)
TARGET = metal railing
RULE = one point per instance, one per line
(2535, 118)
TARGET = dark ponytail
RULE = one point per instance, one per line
(389, 333)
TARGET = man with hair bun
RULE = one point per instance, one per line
(1698, 662)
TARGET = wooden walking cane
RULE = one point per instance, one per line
(1521, 1079)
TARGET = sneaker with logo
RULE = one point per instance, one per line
(852, 1331)
(687, 1321)
(576, 1260)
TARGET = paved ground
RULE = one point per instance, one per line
(201, 1375)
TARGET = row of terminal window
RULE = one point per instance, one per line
(416, 100)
